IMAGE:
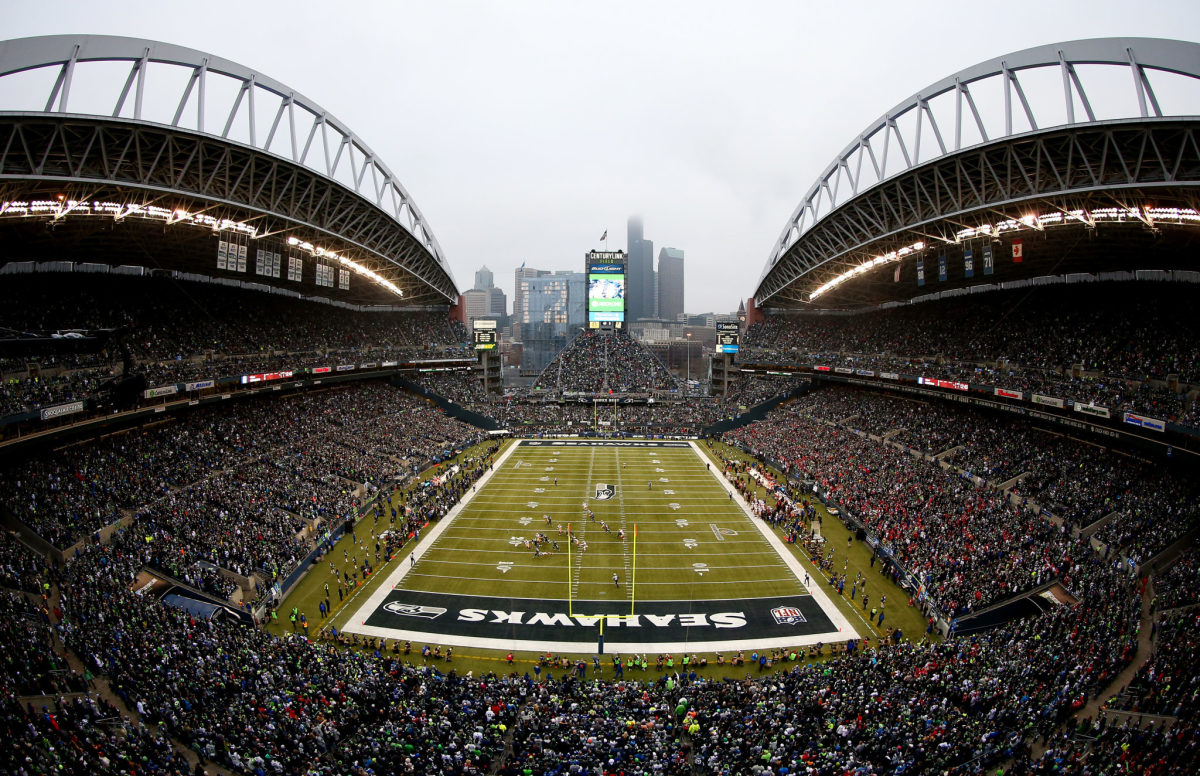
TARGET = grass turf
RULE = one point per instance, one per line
(467, 556)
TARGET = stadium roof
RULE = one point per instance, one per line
(119, 130)
(1009, 149)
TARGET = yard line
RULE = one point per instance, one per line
(624, 546)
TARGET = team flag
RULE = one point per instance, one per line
(968, 263)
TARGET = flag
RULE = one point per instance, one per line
(604, 236)
(896, 275)
(941, 268)
(988, 263)
(920, 272)
(1018, 251)
(522, 266)
(968, 263)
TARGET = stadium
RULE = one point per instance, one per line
(269, 508)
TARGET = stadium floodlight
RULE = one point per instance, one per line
(324, 253)
(867, 266)
(1038, 222)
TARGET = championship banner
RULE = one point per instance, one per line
(222, 254)
(1048, 401)
(1007, 394)
(941, 268)
(1092, 409)
(1143, 422)
(989, 264)
(920, 272)
(968, 263)
(59, 410)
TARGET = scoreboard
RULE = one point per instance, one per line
(485, 339)
(728, 336)
(605, 288)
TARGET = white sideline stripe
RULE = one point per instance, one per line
(846, 630)
(375, 600)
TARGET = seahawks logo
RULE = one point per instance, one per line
(605, 492)
(413, 610)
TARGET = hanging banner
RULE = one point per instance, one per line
(941, 268)
(968, 263)
(989, 265)
(59, 410)
(199, 385)
(154, 393)
(1092, 409)
(920, 272)
(1018, 247)
(1144, 422)
(1048, 401)
(1007, 394)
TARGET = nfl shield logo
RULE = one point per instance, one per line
(788, 615)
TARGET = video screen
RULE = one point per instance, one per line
(606, 297)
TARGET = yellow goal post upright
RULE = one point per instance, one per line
(600, 618)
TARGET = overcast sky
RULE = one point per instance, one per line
(525, 130)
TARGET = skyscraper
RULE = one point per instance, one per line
(639, 293)
(670, 283)
(521, 290)
(483, 278)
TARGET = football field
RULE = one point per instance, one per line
(566, 541)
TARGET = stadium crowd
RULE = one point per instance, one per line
(234, 487)
(995, 548)
(1122, 334)
(237, 488)
(178, 331)
(599, 361)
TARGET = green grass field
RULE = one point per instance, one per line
(659, 537)
(693, 542)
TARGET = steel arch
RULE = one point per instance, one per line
(305, 143)
(862, 169)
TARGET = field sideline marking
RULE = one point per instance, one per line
(845, 629)
(375, 600)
